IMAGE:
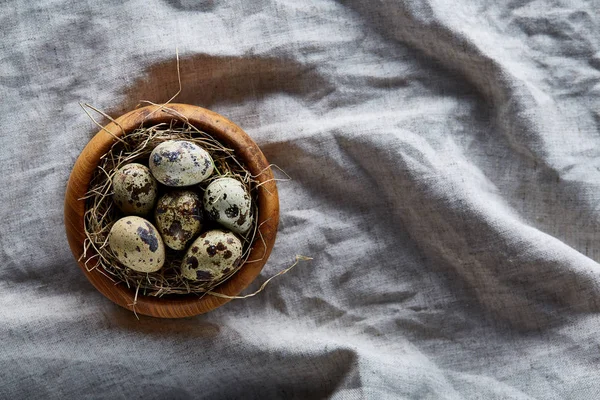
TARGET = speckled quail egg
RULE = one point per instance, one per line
(179, 217)
(227, 202)
(212, 256)
(180, 163)
(136, 244)
(134, 189)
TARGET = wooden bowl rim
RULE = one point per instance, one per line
(223, 130)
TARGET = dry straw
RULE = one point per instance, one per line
(101, 212)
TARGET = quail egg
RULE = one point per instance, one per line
(212, 256)
(134, 189)
(136, 244)
(227, 202)
(180, 163)
(179, 217)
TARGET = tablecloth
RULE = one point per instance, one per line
(445, 172)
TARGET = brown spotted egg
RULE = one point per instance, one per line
(227, 202)
(180, 163)
(137, 244)
(178, 217)
(134, 189)
(212, 256)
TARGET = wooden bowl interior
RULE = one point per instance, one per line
(227, 133)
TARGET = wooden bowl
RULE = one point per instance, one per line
(227, 133)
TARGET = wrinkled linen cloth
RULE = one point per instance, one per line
(446, 181)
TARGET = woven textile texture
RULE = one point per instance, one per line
(445, 158)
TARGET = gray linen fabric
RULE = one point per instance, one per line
(446, 169)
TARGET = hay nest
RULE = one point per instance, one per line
(101, 213)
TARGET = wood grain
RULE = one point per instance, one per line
(221, 129)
